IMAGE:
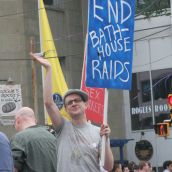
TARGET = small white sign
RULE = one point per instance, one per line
(7, 122)
(10, 99)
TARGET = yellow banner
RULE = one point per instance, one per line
(59, 85)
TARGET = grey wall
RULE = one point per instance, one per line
(14, 45)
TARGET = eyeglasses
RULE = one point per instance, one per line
(70, 102)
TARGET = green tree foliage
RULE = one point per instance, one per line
(150, 8)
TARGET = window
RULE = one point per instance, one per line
(62, 60)
(141, 117)
(55, 3)
(48, 2)
(141, 99)
(146, 94)
(162, 84)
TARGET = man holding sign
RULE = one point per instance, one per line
(110, 47)
(78, 142)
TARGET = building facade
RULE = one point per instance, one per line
(131, 114)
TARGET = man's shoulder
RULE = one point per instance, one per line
(30, 130)
(37, 129)
(34, 133)
(166, 170)
(3, 136)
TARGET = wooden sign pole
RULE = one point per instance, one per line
(104, 122)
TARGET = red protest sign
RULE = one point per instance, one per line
(95, 107)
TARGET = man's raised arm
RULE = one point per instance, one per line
(51, 107)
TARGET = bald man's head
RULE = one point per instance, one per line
(25, 111)
(24, 118)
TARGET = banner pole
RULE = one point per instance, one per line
(104, 122)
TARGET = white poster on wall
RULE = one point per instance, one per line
(10, 99)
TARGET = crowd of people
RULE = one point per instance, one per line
(76, 146)
(142, 166)
(40, 155)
